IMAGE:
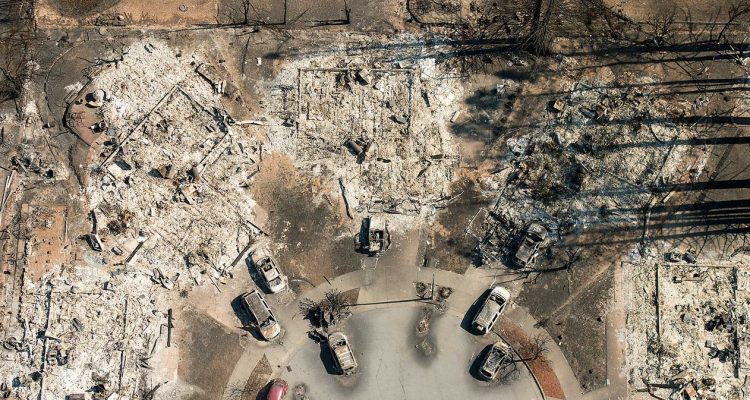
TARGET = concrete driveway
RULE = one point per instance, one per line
(390, 367)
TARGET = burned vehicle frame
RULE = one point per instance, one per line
(269, 271)
(255, 305)
(498, 356)
(374, 236)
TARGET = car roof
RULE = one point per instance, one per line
(269, 271)
(496, 355)
(537, 229)
(257, 306)
(488, 311)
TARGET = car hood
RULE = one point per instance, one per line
(270, 331)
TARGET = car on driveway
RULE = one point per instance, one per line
(499, 356)
(491, 309)
(342, 353)
(269, 271)
(374, 236)
(256, 306)
(527, 250)
(278, 390)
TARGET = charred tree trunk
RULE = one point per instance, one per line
(540, 37)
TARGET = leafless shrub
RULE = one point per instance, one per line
(332, 309)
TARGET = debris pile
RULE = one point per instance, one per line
(687, 330)
(606, 146)
(372, 126)
(168, 187)
(86, 331)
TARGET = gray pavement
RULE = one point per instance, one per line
(389, 349)
(383, 340)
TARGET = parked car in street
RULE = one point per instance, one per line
(278, 390)
(342, 353)
(256, 306)
(527, 250)
(269, 271)
(499, 355)
(491, 310)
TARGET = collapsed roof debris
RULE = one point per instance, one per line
(687, 332)
(372, 127)
(552, 174)
(169, 189)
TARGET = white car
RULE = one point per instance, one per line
(491, 310)
(269, 271)
(342, 353)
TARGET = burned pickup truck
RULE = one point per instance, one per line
(373, 237)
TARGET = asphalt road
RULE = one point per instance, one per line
(391, 367)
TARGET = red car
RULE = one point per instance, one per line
(278, 390)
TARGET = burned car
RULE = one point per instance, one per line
(342, 353)
(527, 250)
(491, 309)
(498, 356)
(373, 236)
(269, 271)
(256, 306)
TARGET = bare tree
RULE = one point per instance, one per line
(735, 13)
(533, 349)
(660, 29)
(529, 351)
(335, 306)
(331, 310)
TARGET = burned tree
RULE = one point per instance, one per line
(244, 13)
(539, 40)
(15, 38)
(533, 349)
(334, 308)
(527, 352)
(734, 17)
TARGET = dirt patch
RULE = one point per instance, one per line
(208, 354)
(539, 367)
(449, 248)
(125, 12)
(315, 239)
(81, 8)
(351, 296)
(258, 380)
(570, 306)
(46, 226)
